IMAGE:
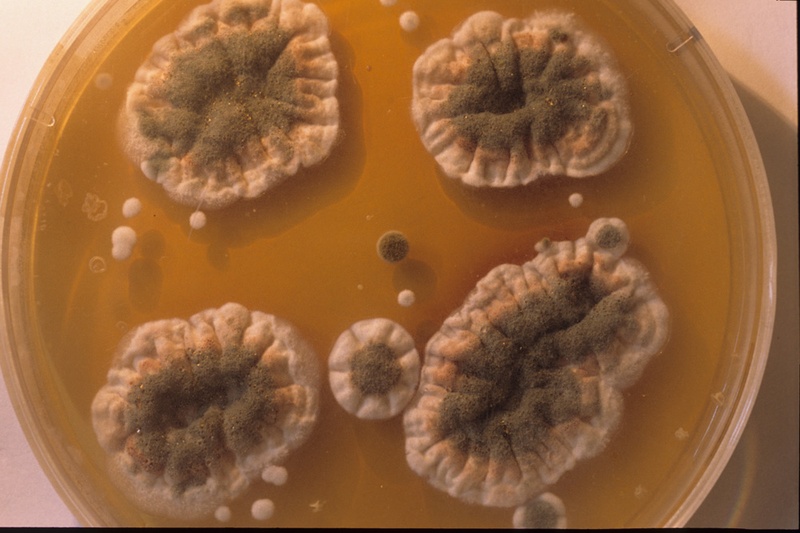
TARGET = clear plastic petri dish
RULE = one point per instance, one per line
(690, 188)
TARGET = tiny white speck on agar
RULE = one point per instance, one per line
(575, 199)
(97, 265)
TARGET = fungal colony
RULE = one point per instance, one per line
(524, 379)
(194, 410)
(373, 369)
(236, 100)
(503, 102)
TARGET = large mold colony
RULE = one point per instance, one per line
(233, 102)
(373, 369)
(505, 101)
(194, 410)
(524, 379)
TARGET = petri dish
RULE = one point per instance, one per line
(691, 189)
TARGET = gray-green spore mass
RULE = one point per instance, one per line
(188, 418)
(529, 95)
(609, 237)
(393, 246)
(224, 93)
(375, 369)
(516, 385)
(540, 514)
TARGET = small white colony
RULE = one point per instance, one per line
(131, 207)
(197, 220)
(576, 199)
(409, 21)
(262, 509)
(406, 297)
(223, 513)
(276, 475)
(123, 239)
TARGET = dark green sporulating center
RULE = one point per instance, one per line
(516, 385)
(522, 94)
(223, 94)
(193, 414)
(393, 246)
(374, 369)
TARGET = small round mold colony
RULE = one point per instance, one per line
(545, 512)
(236, 100)
(194, 410)
(503, 102)
(392, 246)
(373, 369)
(525, 378)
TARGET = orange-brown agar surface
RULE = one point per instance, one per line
(306, 252)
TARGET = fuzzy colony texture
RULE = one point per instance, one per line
(236, 100)
(505, 101)
(195, 409)
(524, 379)
(373, 369)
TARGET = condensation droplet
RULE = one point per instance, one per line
(95, 208)
(718, 398)
(103, 81)
(97, 264)
(63, 192)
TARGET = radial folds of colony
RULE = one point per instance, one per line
(236, 100)
(524, 379)
(373, 369)
(194, 410)
(503, 102)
